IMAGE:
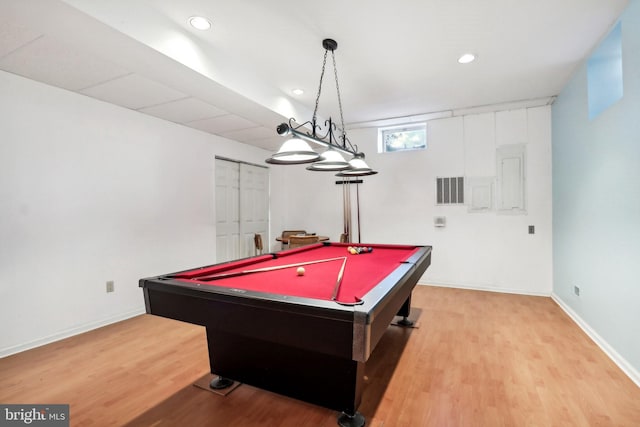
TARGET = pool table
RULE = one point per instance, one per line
(306, 334)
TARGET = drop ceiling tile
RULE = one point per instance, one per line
(14, 36)
(273, 143)
(55, 63)
(184, 110)
(222, 124)
(251, 134)
(133, 91)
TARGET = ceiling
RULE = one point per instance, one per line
(396, 61)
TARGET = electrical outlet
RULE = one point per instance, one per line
(576, 290)
(532, 229)
(110, 286)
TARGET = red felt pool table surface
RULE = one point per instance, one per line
(362, 271)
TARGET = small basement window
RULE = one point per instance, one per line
(402, 138)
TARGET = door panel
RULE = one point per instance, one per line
(242, 208)
(254, 206)
(227, 210)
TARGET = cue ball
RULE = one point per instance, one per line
(300, 271)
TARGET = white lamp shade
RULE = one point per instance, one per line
(357, 167)
(331, 161)
(294, 151)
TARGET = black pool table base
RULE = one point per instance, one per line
(344, 419)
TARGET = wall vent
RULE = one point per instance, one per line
(450, 191)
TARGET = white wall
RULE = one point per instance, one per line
(91, 192)
(597, 207)
(476, 250)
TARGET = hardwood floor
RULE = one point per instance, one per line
(476, 359)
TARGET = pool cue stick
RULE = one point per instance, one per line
(349, 208)
(345, 229)
(339, 281)
(264, 269)
(358, 209)
(346, 200)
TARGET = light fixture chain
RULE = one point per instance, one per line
(335, 73)
(315, 110)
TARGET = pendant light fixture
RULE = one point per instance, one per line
(357, 167)
(332, 159)
(294, 151)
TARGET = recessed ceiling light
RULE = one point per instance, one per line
(467, 58)
(297, 92)
(199, 23)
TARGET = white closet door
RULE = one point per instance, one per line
(254, 207)
(227, 199)
(242, 208)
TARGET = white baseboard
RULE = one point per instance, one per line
(4, 352)
(620, 361)
(485, 288)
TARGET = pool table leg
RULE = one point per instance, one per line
(220, 383)
(355, 420)
(404, 312)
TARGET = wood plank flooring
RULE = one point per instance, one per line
(477, 359)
